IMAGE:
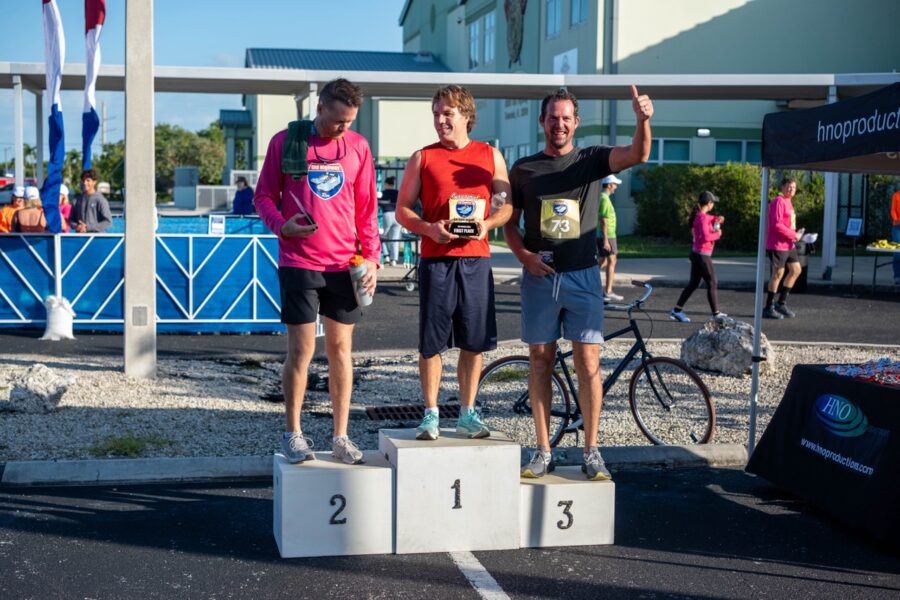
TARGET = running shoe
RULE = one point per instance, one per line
(346, 451)
(471, 425)
(429, 428)
(678, 315)
(594, 467)
(297, 448)
(784, 310)
(538, 465)
(719, 315)
(612, 297)
(769, 312)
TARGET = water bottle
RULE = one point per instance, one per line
(498, 201)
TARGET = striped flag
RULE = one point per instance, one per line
(94, 15)
(54, 55)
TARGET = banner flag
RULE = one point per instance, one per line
(54, 56)
(94, 16)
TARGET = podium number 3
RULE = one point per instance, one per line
(335, 500)
(456, 496)
(566, 504)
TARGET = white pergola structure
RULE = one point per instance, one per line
(140, 79)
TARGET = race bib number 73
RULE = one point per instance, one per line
(560, 219)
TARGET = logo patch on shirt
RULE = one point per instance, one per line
(325, 180)
(560, 208)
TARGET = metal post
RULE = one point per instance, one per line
(313, 99)
(19, 119)
(757, 309)
(140, 249)
(39, 137)
(829, 227)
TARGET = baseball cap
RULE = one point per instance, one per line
(610, 179)
(63, 189)
(708, 198)
(32, 192)
(19, 191)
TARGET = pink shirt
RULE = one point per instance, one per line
(781, 232)
(704, 235)
(339, 195)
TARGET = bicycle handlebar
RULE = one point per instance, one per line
(637, 303)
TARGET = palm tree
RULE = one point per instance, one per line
(72, 167)
(30, 152)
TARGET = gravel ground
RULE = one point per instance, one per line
(233, 408)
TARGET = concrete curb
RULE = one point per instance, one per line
(160, 470)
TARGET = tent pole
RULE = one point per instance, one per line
(757, 307)
(829, 226)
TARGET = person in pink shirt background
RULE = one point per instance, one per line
(781, 236)
(320, 214)
(706, 229)
(65, 207)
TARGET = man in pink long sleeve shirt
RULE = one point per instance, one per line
(319, 218)
(781, 235)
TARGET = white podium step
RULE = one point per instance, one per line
(324, 507)
(453, 493)
(565, 509)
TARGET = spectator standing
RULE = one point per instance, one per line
(30, 218)
(706, 229)
(243, 198)
(65, 208)
(316, 192)
(392, 229)
(781, 239)
(16, 202)
(90, 214)
(456, 285)
(895, 232)
(607, 248)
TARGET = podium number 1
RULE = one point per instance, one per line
(456, 496)
(566, 504)
(335, 500)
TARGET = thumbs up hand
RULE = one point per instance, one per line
(641, 104)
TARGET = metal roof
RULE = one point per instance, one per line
(235, 118)
(341, 60)
(224, 80)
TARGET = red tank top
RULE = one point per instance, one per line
(468, 171)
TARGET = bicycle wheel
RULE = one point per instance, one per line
(670, 403)
(502, 397)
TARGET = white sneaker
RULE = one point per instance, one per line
(678, 315)
(346, 451)
(720, 314)
(613, 297)
(297, 448)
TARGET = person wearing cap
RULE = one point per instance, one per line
(65, 207)
(243, 198)
(706, 229)
(606, 243)
(557, 191)
(30, 218)
(7, 212)
(90, 214)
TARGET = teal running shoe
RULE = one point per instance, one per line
(470, 425)
(429, 428)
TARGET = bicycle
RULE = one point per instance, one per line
(669, 402)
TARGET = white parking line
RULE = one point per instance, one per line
(486, 586)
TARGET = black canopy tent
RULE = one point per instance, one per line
(857, 135)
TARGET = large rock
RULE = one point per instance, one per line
(38, 389)
(725, 345)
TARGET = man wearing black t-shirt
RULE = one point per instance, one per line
(558, 191)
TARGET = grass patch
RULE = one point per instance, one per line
(128, 445)
(509, 374)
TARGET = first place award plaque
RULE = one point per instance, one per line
(466, 213)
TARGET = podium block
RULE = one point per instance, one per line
(453, 493)
(324, 507)
(565, 509)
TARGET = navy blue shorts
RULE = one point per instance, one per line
(456, 305)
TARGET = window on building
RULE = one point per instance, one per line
(474, 44)
(554, 17)
(578, 13)
(509, 155)
(676, 151)
(729, 151)
(754, 152)
(523, 150)
(489, 35)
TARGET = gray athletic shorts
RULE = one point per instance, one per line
(568, 305)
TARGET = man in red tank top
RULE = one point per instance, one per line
(456, 175)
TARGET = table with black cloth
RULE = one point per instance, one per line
(835, 442)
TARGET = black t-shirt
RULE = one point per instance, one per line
(546, 189)
(388, 201)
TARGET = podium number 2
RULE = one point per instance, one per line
(335, 500)
(566, 504)
(456, 497)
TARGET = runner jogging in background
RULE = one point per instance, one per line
(781, 237)
(557, 190)
(316, 192)
(456, 179)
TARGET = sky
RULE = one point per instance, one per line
(193, 33)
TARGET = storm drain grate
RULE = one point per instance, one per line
(409, 412)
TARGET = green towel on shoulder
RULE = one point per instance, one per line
(296, 145)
